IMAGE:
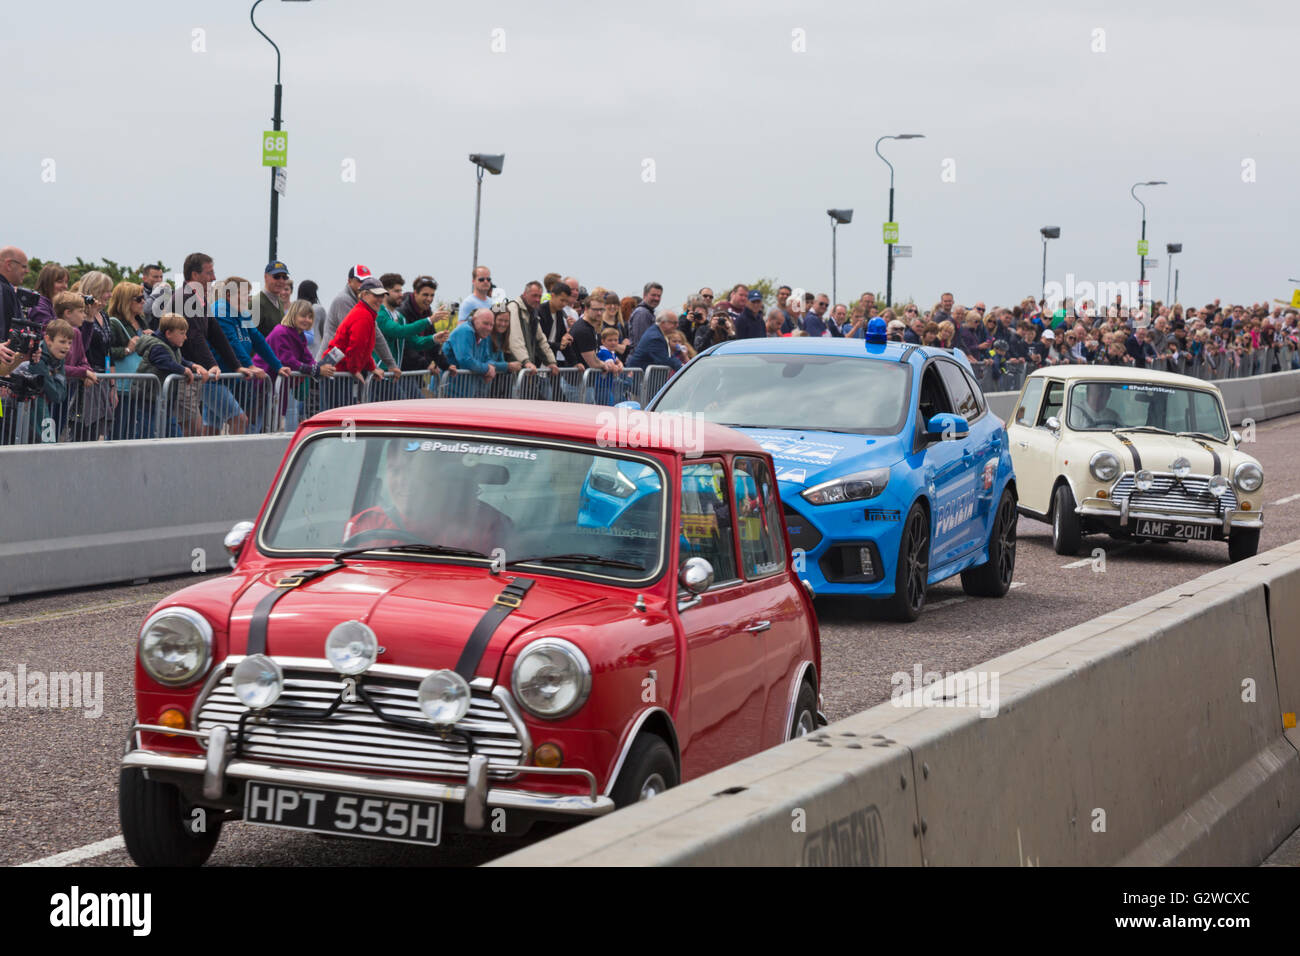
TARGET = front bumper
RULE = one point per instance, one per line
(1111, 515)
(218, 772)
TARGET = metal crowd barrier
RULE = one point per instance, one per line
(655, 378)
(609, 388)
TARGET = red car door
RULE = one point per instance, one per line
(724, 647)
(774, 604)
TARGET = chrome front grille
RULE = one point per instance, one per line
(355, 738)
(1188, 496)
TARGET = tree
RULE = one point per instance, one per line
(115, 271)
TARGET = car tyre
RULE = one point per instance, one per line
(1066, 533)
(154, 823)
(1243, 544)
(648, 771)
(913, 569)
(993, 577)
(805, 712)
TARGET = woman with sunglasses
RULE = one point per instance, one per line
(126, 320)
(90, 416)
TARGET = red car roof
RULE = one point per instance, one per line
(590, 423)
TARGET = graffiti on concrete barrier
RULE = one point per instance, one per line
(855, 840)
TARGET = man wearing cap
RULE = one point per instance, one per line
(356, 337)
(750, 324)
(643, 316)
(270, 309)
(343, 303)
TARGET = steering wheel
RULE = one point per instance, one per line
(376, 533)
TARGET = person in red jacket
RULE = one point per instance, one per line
(350, 349)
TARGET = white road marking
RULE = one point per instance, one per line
(81, 853)
(1282, 501)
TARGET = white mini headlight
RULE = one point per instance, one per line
(175, 646)
(444, 697)
(1181, 467)
(1144, 480)
(257, 681)
(551, 678)
(1248, 476)
(1104, 466)
(1218, 486)
(351, 647)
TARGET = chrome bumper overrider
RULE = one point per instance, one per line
(1122, 515)
(216, 766)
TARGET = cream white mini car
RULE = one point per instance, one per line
(1134, 454)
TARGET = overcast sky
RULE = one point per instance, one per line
(687, 142)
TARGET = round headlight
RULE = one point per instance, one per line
(176, 645)
(257, 681)
(1143, 480)
(351, 647)
(1181, 467)
(551, 678)
(1104, 466)
(1248, 476)
(1218, 486)
(444, 697)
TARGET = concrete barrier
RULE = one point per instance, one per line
(1151, 735)
(98, 513)
(1258, 398)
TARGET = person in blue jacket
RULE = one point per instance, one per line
(653, 348)
(232, 309)
(469, 348)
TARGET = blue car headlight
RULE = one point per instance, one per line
(856, 487)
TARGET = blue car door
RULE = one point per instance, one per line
(981, 446)
(948, 470)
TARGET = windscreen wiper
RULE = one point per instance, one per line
(1143, 428)
(1200, 435)
(412, 549)
(578, 559)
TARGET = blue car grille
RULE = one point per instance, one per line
(803, 533)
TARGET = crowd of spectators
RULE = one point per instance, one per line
(63, 348)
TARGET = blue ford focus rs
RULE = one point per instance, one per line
(893, 472)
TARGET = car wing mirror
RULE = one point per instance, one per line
(696, 575)
(1053, 425)
(946, 426)
(635, 406)
(236, 536)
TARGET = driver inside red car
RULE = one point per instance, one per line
(431, 504)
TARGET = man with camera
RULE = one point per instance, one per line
(720, 328)
(13, 266)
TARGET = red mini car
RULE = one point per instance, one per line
(473, 615)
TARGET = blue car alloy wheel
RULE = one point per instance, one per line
(893, 473)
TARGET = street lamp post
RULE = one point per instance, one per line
(1142, 256)
(1171, 248)
(492, 163)
(837, 216)
(275, 120)
(889, 252)
(1048, 232)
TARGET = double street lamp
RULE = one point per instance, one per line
(889, 252)
(838, 216)
(485, 162)
(1142, 248)
(275, 119)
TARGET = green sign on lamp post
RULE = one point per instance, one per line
(275, 147)
(891, 233)
(1142, 247)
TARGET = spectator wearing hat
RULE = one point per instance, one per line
(270, 301)
(343, 303)
(750, 324)
(643, 316)
(357, 336)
